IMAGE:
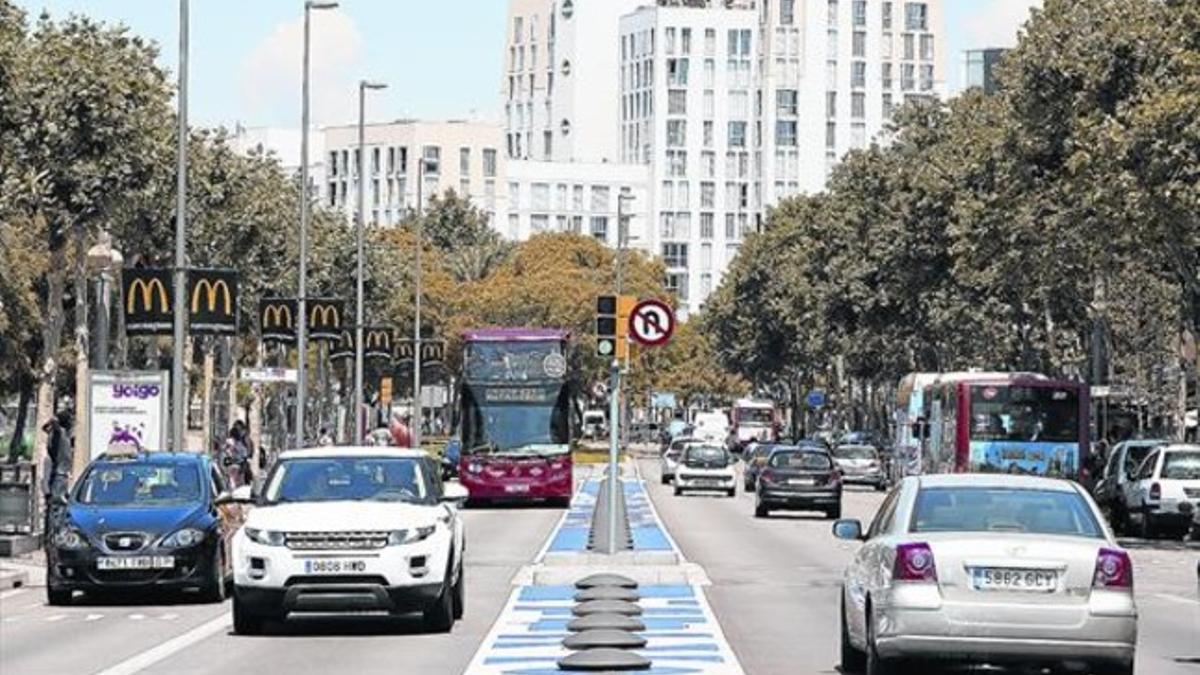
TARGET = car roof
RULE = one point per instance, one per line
(157, 457)
(1181, 447)
(1143, 442)
(354, 451)
(820, 450)
(994, 480)
(854, 446)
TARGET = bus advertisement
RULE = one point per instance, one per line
(1016, 424)
(515, 412)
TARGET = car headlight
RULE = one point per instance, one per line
(411, 536)
(184, 538)
(265, 537)
(69, 538)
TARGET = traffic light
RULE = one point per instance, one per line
(625, 305)
(606, 326)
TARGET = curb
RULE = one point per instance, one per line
(10, 579)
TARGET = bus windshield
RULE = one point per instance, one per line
(513, 361)
(1029, 414)
(514, 427)
(755, 416)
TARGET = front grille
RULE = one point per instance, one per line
(1192, 493)
(335, 580)
(335, 541)
(126, 542)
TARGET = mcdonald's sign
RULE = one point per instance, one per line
(213, 301)
(277, 320)
(148, 297)
(404, 351)
(378, 342)
(325, 318)
(433, 352)
(343, 347)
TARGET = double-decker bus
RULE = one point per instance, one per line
(1006, 423)
(515, 415)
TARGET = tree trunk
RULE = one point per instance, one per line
(83, 452)
(51, 339)
(18, 437)
(206, 395)
(256, 408)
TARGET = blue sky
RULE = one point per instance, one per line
(440, 58)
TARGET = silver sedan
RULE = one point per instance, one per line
(987, 569)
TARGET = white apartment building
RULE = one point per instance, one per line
(687, 111)
(575, 197)
(467, 157)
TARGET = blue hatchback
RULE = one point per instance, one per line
(144, 521)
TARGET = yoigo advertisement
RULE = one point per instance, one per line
(127, 410)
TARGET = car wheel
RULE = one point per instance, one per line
(880, 486)
(761, 510)
(58, 597)
(245, 621)
(875, 664)
(1148, 528)
(666, 480)
(732, 492)
(678, 490)
(853, 659)
(213, 589)
(834, 513)
(460, 594)
(439, 615)
(1113, 669)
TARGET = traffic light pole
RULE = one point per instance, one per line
(614, 481)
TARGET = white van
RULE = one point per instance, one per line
(595, 424)
(711, 426)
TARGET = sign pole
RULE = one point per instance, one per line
(614, 413)
(178, 383)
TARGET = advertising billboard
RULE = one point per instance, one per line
(127, 408)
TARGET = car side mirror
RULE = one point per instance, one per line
(848, 529)
(455, 493)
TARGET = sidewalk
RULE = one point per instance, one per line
(27, 571)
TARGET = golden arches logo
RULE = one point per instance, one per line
(378, 339)
(277, 316)
(329, 315)
(215, 290)
(146, 290)
(404, 351)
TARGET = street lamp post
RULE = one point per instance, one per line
(614, 402)
(363, 86)
(418, 413)
(178, 385)
(305, 206)
(104, 260)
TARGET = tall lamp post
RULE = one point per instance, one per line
(363, 86)
(418, 412)
(305, 206)
(104, 260)
(178, 385)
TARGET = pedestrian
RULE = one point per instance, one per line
(56, 470)
(237, 453)
(324, 438)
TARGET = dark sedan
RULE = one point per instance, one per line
(799, 478)
(144, 521)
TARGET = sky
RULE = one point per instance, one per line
(441, 59)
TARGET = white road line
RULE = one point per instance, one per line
(11, 593)
(1177, 598)
(11, 619)
(177, 644)
(169, 617)
(55, 617)
(136, 617)
(93, 617)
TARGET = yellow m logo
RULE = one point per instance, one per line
(324, 316)
(212, 289)
(146, 289)
(277, 316)
(378, 339)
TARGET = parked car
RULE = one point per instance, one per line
(671, 457)
(987, 569)
(1164, 492)
(138, 521)
(798, 478)
(351, 530)
(595, 424)
(705, 466)
(861, 465)
(1123, 460)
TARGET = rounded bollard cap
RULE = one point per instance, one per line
(592, 639)
(596, 580)
(606, 607)
(607, 593)
(606, 622)
(603, 659)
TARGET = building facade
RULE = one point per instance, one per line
(575, 197)
(980, 69)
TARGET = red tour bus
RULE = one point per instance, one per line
(515, 408)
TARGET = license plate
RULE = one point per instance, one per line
(1001, 579)
(141, 562)
(516, 488)
(335, 566)
(801, 481)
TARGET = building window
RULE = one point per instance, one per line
(926, 47)
(547, 145)
(708, 164)
(375, 163)
(787, 12)
(885, 46)
(433, 160)
(539, 199)
(677, 102)
(831, 44)
(677, 72)
(887, 105)
(907, 76)
(858, 74)
(706, 225)
(858, 135)
(599, 225)
(916, 16)
(710, 42)
(677, 163)
(926, 77)
(710, 73)
(677, 284)
(489, 163)
(539, 223)
(832, 13)
(909, 49)
(708, 192)
(669, 41)
(860, 44)
(730, 226)
(577, 198)
(685, 41)
(675, 255)
(831, 135)
(887, 15)
(860, 12)
(464, 161)
(600, 199)
(886, 78)
(831, 104)
(737, 134)
(514, 196)
(708, 133)
(858, 105)
(785, 133)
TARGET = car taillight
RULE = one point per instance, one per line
(1155, 492)
(1114, 569)
(914, 562)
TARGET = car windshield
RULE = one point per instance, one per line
(329, 479)
(1181, 465)
(139, 484)
(707, 455)
(1028, 511)
(1025, 414)
(800, 459)
(1136, 454)
(854, 452)
(761, 416)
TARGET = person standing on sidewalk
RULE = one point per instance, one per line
(56, 470)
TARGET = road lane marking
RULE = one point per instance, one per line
(93, 617)
(169, 617)
(136, 617)
(173, 646)
(55, 617)
(4, 595)
(1176, 598)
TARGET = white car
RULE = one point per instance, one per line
(351, 530)
(987, 569)
(860, 465)
(1165, 490)
(671, 456)
(705, 467)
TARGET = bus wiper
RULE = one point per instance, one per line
(487, 448)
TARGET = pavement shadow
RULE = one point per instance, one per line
(514, 506)
(346, 626)
(137, 597)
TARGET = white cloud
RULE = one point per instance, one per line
(270, 75)
(997, 23)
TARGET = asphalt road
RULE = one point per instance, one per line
(172, 635)
(775, 582)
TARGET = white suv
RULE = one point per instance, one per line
(351, 529)
(1165, 490)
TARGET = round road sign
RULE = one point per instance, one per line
(651, 323)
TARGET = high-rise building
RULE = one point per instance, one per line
(980, 69)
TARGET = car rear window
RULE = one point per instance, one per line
(1181, 465)
(707, 454)
(800, 459)
(854, 452)
(1030, 511)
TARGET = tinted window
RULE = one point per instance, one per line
(139, 484)
(328, 479)
(707, 454)
(801, 460)
(1136, 454)
(854, 452)
(1003, 413)
(1181, 466)
(755, 416)
(1003, 510)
